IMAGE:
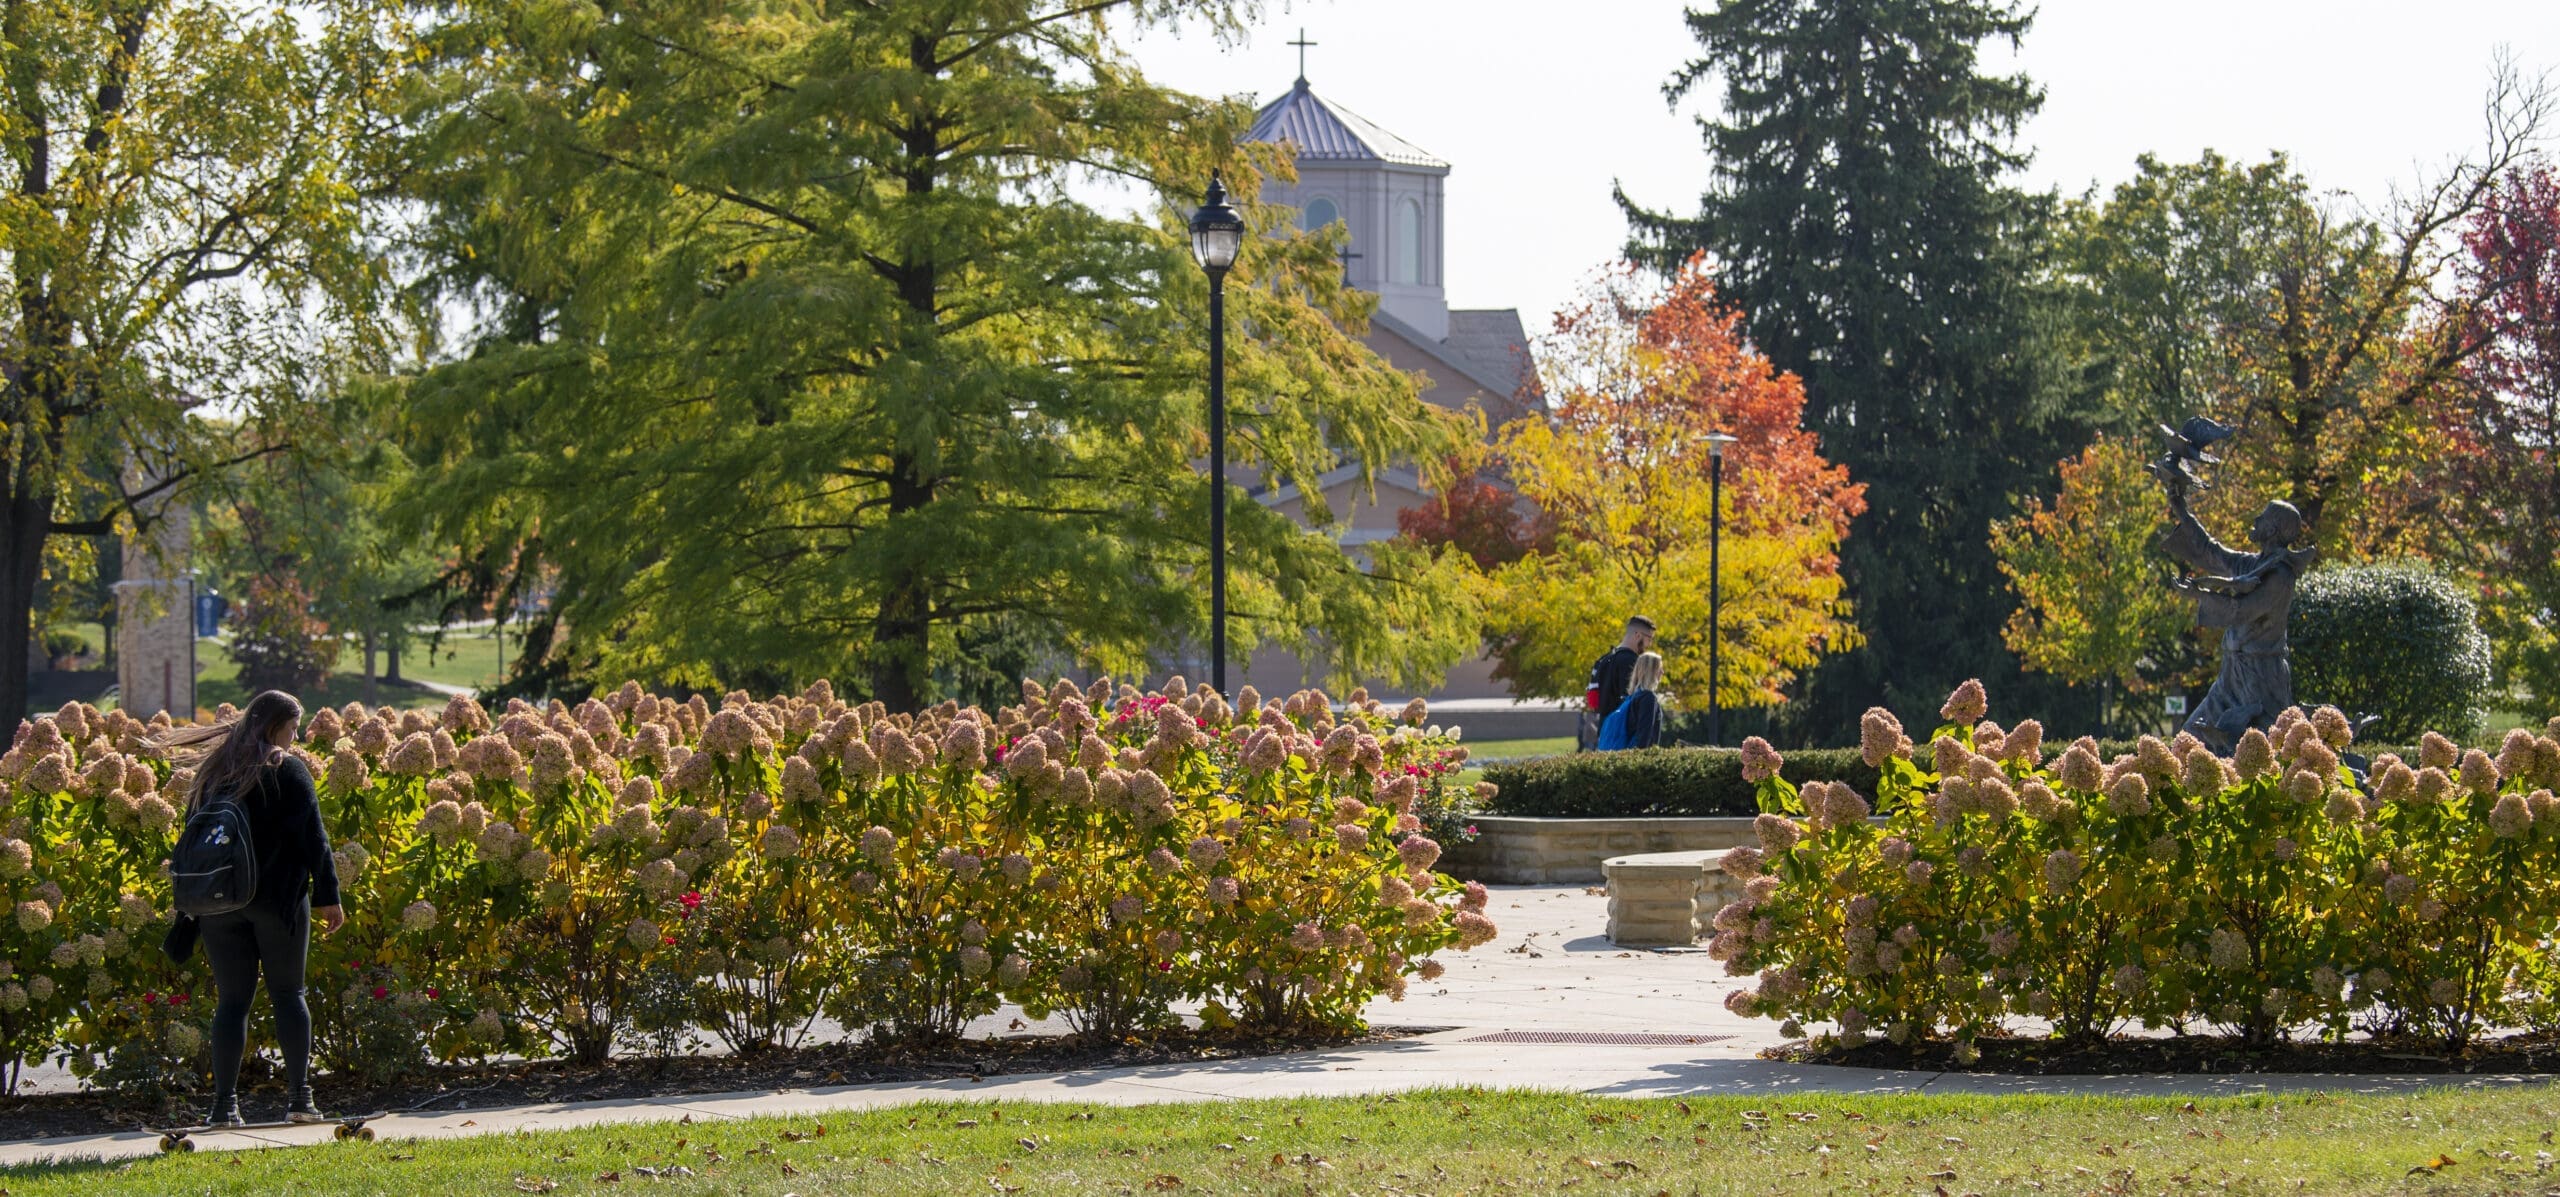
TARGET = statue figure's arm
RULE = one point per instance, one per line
(2191, 546)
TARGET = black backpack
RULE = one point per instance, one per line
(214, 869)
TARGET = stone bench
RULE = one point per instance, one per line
(1666, 899)
(1525, 850)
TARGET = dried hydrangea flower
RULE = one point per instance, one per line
(1966, 705)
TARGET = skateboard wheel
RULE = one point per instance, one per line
(169, 1143)
(365, 1133)
(344, 1131)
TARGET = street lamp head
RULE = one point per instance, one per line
(1716, 441)
(1217, 230)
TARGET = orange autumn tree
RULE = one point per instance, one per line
(1638, 372)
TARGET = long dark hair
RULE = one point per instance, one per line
(226, 756)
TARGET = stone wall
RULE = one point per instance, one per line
(1517, 850)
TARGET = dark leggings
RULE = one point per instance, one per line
(240, 945)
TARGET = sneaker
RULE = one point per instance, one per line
(225, 1112)
(301, 1110)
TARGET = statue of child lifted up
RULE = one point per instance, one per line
(2248, 594)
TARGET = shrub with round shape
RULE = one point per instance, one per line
(2394, 640)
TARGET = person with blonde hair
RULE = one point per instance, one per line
(1637, 723)
(244, 762)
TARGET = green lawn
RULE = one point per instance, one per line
(1449, 1142)
(1505, 750)
(218, 682)
(467, 657)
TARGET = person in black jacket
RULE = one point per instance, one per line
(297, 881)
(1610, 675)
(1637, 723)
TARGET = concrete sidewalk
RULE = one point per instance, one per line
(1550, 1006)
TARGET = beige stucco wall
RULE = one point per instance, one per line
(155, 624)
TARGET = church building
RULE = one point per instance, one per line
(1390, 195)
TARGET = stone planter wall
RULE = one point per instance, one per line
(1516, 850)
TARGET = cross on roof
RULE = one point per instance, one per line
(1302, 43)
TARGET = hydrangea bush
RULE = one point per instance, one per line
(566, 879)
(2264, 895)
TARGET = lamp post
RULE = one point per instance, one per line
(1716, 441)
(1217, 233)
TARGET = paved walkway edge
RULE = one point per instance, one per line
(1446, 1059)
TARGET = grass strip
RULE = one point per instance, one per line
(2451, 1140)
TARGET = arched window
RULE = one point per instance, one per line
(1409, 241)
(1319, 213)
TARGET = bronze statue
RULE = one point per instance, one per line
(2249, 594)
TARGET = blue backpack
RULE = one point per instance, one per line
(1613, 730)
(214, 869)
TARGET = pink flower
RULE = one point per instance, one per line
(1418, 852)
(1307, 937)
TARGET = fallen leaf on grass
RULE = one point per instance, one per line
(1943, 1174)
(1029, 1144)
(403, 1156)
(1165, 1182)
(966, 1123)
(2433, 1166)
(535, 1184)
(608, 1178)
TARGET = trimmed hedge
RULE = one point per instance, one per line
(1654, 782)
(1669, 782)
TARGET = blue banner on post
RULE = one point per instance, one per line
(210, 608)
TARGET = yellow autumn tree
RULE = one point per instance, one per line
(2094, 603)
(1637, 376)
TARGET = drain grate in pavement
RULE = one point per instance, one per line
(1617, 1038)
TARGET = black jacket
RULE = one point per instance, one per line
(1613, 673)
(293, 846)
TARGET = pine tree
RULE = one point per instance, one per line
(1858, 213)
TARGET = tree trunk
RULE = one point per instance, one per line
(391, 659)
(901, 634)
(372, 687)
(24, 526)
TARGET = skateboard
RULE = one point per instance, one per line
(352, 1126)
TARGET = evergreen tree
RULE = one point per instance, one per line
(803, 359)
(1858, 214)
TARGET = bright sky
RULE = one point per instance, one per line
(1538, 106)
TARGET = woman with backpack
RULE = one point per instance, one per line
(1637, 723)
(246, 780)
